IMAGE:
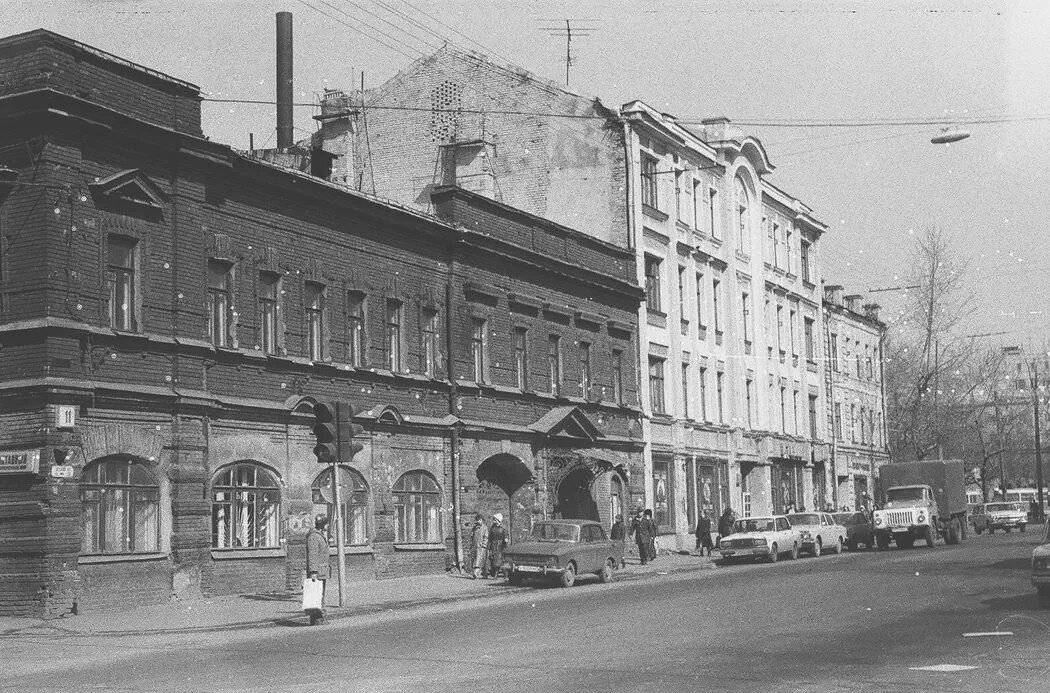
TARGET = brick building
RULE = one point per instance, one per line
(857, 398)
(729, 335)
(172, 308)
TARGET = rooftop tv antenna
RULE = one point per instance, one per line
(569, 31)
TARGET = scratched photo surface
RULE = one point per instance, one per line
(388, 345)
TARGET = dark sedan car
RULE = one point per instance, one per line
(562, 550)
(858, 529)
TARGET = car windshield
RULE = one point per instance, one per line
(556, 531)
(845, 518)
(904, 494)
(992, 507)
(804, 519)
(754, 524)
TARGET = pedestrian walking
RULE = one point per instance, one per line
(703, 534)
(725, 523)
(497, 542)
(645, 537)
(618, 535)
(479, 540)
(318, 566)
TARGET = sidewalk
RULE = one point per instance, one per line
(254, 611)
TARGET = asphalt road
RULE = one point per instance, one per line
(855, 622)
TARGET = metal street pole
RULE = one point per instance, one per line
(1038, 445)
(341, 412)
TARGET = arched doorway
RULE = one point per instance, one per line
(574, 496)
(617, 497)
(506, 485)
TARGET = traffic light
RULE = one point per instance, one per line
(326, 430)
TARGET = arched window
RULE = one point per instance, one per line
(120, 508)
(246, 508)
(353, 494)
(743, 218)
(417, 502)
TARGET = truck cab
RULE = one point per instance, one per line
(910, 513)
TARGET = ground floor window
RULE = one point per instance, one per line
(662, 495)
(353, 496)
(120, 508)
(246, 508)
(704, 481)
(417, 504)
(788, 487)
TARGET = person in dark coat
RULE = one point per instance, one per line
(703, 534)
(725, 523)
(645, 537)
(318, 565)
(497, 542)
(618, 535)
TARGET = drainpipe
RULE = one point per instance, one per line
(829, 366)
(457, 536)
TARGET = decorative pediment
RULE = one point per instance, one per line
(569, 423)
(130, 186)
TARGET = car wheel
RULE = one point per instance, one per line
(883, 541)
(979, 530)
(816, 549)
(568, 578)
(838, 546)
(1021, 528)
(606, 573)
(927, 534)
(794, 551)
(514, 578)
(774, 553)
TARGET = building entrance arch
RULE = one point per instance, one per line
(575, 500)
(506, 485)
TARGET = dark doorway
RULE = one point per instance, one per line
(506, 486)
(574, 497)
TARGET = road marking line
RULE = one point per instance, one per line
(943, 667)
(991, 634)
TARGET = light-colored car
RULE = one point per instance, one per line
(1005, 515)
(1041, 564)
(759, 538)
(820, 532)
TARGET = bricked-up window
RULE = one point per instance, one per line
(393, 335)
(656, 385)
(649, 182)
(477, 348)
(121, 263)
(220, 285)
(521, 357)
(585, 369)
(430, 341)
(554, 364)
(269, 311)
(246, 508)
(313, 301)
(417, 504)
(355, 328)
(652, 284)
(120, 508)
(353, 495)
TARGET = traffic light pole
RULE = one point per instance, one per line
(340, 540)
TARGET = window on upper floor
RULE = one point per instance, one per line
(713, 213)
(617, 375)
(269, 311)
(749, 401)
(656, 385)
(804, 261)
(355, 328)
(652, 284)
(685, 390)
(698, 196)
(700, 299)
(478, 349)
(834, 352)
(313, 301)
(121, 267)
(554, 364)
(220, 289)
(680, 195)
(649, 182)
(743, 216)
(720, 393)
(703, 394)
(585, 370)
(429, 333)
(521, 357)
(394, 312)
(745, 307)
(810, 351)
(813, 417)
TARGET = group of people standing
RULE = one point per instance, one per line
(642, 529)
(703, 530)
(486, 546)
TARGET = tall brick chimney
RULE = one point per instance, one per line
(285, 119)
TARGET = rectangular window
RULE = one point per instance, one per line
(652, 284)
(662, 493)
(617, 375)
(749, 385)
(808, 327)
(393, 335)
(315, 320)
(685, 390)
(745, 304)
(700, 298)
(679, 196)
(783, 410)
(477, 348)
(656, 385)
(792, 321)
(521, 357)
(554, 363)
(355, 328)
(703, 395)
(794, 413)
(219, 285)
(712, 213)
(121, 263)
(681, 289)
(720, 392)
(649, 182)
(804, 261)
(853, 423)
(838, 422)
(430, 341)
(269, 314)
(775, 231)
(697, 201)
(788, 265)
(585, 370)
(834, 352)
(716, 299)
(813, 417)
(780, 331)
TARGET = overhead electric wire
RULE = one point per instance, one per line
(424, 41)
(349, 26)
(457, 32)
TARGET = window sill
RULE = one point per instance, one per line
(654, 213)
(356, 550)
(121, 558)
(419, 547)
(238, 554)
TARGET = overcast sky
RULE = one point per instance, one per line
(754, 61)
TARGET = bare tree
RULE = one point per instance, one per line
(925, 355)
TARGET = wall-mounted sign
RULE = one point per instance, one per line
(20, 462)
(66, 416)
(62, 471)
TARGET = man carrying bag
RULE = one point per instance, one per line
(318, 569)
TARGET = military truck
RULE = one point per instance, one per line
(921, 501)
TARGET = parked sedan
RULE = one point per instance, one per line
(562, 550)
(858, 529)
(1004, 516)
(760, 538)
(820, 532)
